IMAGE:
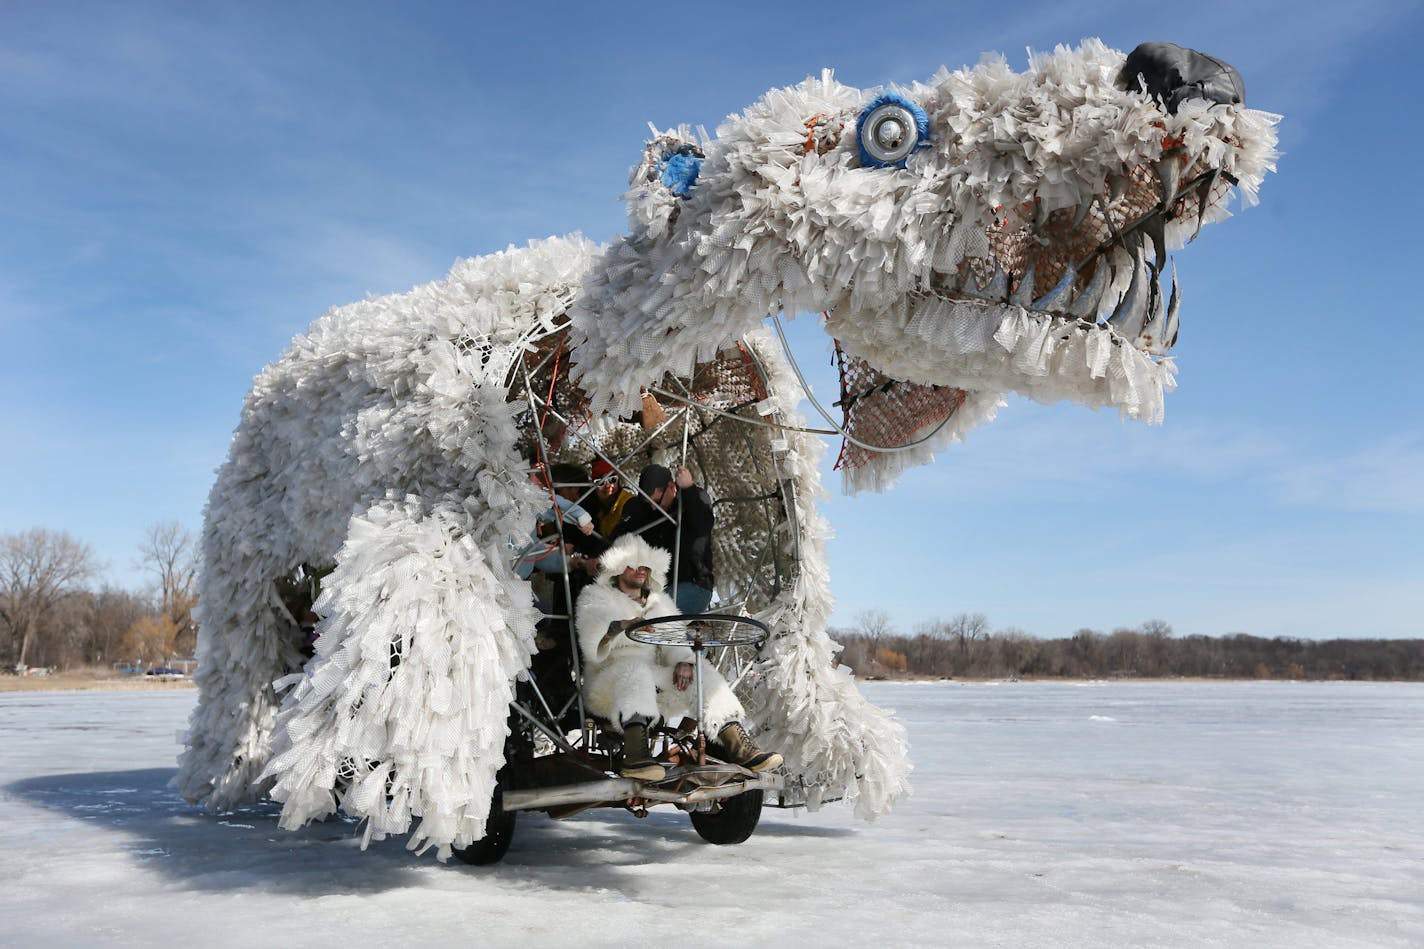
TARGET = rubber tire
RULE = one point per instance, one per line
(499, 830)
(733, 823)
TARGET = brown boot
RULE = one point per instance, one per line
(638, 761)
(740, 750)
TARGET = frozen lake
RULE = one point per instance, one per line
(1044, 814)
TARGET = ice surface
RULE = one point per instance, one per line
(1045, 814)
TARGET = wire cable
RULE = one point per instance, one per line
(836, 426)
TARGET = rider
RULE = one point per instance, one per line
(608, 498)
(633, 684)
(676, 514)
(564, 535)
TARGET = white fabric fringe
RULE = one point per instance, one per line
(383, 439)
(836, 743)
(422, 738)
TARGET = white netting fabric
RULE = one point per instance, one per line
(408, 696)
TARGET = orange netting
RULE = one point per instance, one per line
(887, 412)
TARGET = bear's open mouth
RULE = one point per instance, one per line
(1103, 263)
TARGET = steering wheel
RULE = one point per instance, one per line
(740, 630)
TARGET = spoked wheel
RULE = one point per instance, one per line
(699, 630)
(499, 829)
(732, 821)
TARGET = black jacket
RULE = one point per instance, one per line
(694, 508)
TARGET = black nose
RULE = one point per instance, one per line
(1174, 74)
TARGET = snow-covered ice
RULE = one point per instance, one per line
(1044, 814)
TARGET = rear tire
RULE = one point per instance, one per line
(731, 823)
(499, 829)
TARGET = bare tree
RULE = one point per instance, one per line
(874, 625)
(37, 568)
(170, 552)
(871, 628)
(1157, 628)
(1085, 652)
(1018, 652)
(87, 626)
(966, 628)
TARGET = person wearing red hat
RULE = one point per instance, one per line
(609, 496)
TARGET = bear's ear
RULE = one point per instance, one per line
(659, 183)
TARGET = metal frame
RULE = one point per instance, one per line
(535, 714)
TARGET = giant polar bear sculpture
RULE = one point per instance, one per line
(984, 232)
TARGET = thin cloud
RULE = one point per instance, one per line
(1385, 477)
(15, 306)
(1031, 447)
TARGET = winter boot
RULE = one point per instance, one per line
(740, 750)
(638, 761)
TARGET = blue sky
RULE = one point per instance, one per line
(186, 186)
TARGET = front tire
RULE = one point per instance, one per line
(499, 829)
(733, 822)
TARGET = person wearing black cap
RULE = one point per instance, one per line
(676, 499)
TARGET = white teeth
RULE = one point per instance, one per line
(1080, 215)
(1155, 227)
(1086, 306)
(1150, 339)
(994, 291)
(1117, 187)
(1169, 333)
(1143, 316)
(1204, 198)
(1023, 293)
(1056, 300)
(1107, 218)
(1169, 173)
(1127, 318)
(1040, 214)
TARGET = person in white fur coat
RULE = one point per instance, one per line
(634, 684)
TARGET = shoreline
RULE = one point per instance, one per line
(88, 682)
(1018, 680)
(91, 682)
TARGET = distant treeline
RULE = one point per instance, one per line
(56, 613)
(964, 647)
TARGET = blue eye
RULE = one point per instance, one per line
(889, 129)
(679, 170)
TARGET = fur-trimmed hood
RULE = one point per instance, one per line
(631, 550)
